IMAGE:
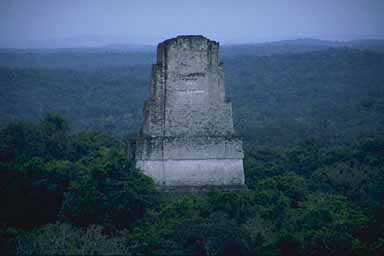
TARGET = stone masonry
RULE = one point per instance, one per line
(187, 138)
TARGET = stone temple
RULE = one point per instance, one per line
(187, 138)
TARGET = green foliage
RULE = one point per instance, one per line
(332, 94)
(235, 205)
(20, 140)
(82, 178)
(324, 224)
(54, 130)
(312, 126)
(307, 199)
(291, 185)
(187, 226)
(64, 239)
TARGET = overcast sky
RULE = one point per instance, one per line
(33, 23)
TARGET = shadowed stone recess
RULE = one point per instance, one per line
(187, 138)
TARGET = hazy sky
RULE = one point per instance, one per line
(32, 23)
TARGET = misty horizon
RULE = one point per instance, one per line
(66, 24)
(97, 41)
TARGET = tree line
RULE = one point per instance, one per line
(70, 192)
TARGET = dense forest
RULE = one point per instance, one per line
(312, 122)
(276, 98)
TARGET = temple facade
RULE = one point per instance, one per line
(187, 138)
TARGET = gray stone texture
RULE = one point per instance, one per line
(187, 138)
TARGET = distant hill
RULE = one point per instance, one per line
(74, 58)
(299, 46)
(133, 54)
(373, 44)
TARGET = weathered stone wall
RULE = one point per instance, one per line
(183, 148)
(187, 116)
(212, 172)
(187, 91)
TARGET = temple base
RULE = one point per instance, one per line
(194, 173)
(202, 189)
